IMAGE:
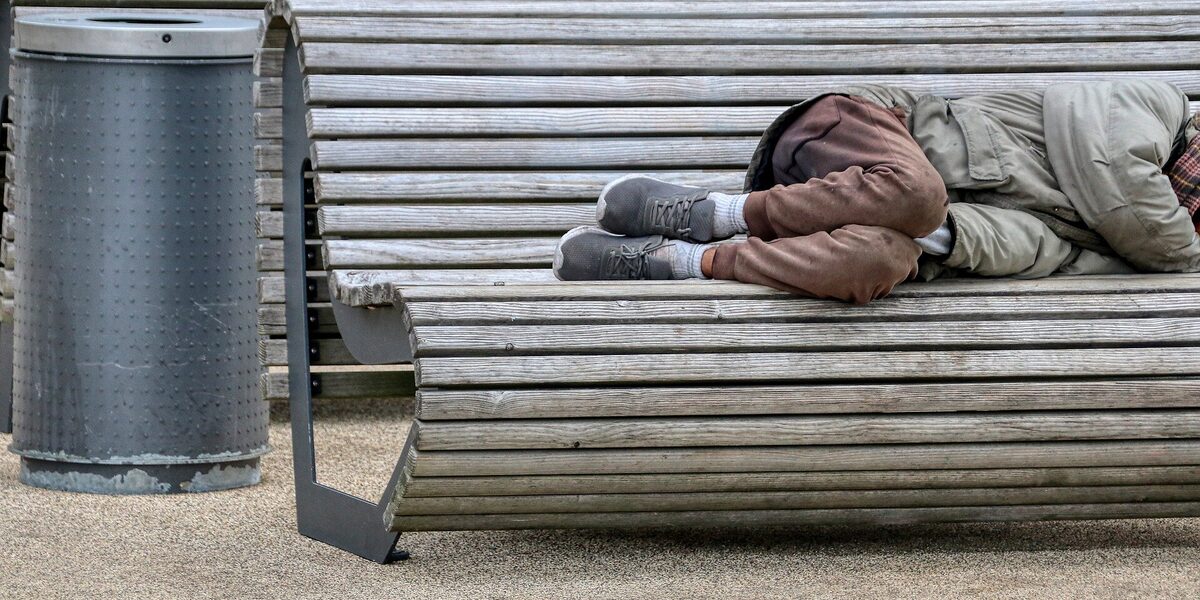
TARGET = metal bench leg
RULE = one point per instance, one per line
(322, 513)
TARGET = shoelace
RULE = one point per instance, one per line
(671, 216)
(633, 262)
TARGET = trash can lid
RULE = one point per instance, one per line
(138, 35)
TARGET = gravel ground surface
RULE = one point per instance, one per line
(242, 544)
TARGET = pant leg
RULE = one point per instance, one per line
(855, 263)
(847, 161)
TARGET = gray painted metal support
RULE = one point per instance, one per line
(322, 513)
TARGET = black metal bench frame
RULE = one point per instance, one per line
(322, 512)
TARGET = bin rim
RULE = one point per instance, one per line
(137, 35)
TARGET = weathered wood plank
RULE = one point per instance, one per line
(604, 339)
(442, 253)
(575, 122)
(806, 458)
(8, 226)
(792, 30)
(373, 288)
(426, 220)
(743, 59)
(268, 191)
(722, 9)
(268, 156)
(385, 287)
(860, 516)
(503, 122)
(522, 486)
(536, 434)
(731, 399)
(273, 352)
(572, 153)
(784, 310)
(268, 123)
(271, 287)
(268, 224)
(268, 92)
(493, 186)
(268, 62)
(272, 319)
(827, 499)
(729, 89)
(269, 255)
(361, 384)
(801, 366)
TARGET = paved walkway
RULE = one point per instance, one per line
(242, 544)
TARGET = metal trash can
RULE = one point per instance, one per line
(136, 363)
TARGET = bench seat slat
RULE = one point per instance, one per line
(750, 459)
(564, 153)
(669, 483)
(785, 310)
(383, 287)
(805, 430)
(559, 403)
(850, 516)
(811, 337)
(374, 288)
(440, 252)
(427, 221)
(400, 123)
(428, 186)
(713, 289)
(573, 122)
(811, 500)
(805, 31)
(450, 90)
(326, 57)
(801, 366)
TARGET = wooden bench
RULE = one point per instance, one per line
(10, 10)
(431, 152)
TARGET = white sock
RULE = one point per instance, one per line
(686, 258)
(938, 242)
(729, 219)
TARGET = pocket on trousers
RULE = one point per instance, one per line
(984, 163)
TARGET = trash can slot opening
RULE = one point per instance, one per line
(144, 21)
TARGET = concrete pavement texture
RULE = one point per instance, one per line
(243, 544)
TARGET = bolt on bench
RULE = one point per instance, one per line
(435, 150)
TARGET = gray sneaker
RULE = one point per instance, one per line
(592, 254)
(639, 205)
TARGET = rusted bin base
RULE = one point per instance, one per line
(139, 479)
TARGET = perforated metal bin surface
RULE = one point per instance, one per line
(136, 366)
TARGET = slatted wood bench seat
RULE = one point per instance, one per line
(678, 405)
(430, 153)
